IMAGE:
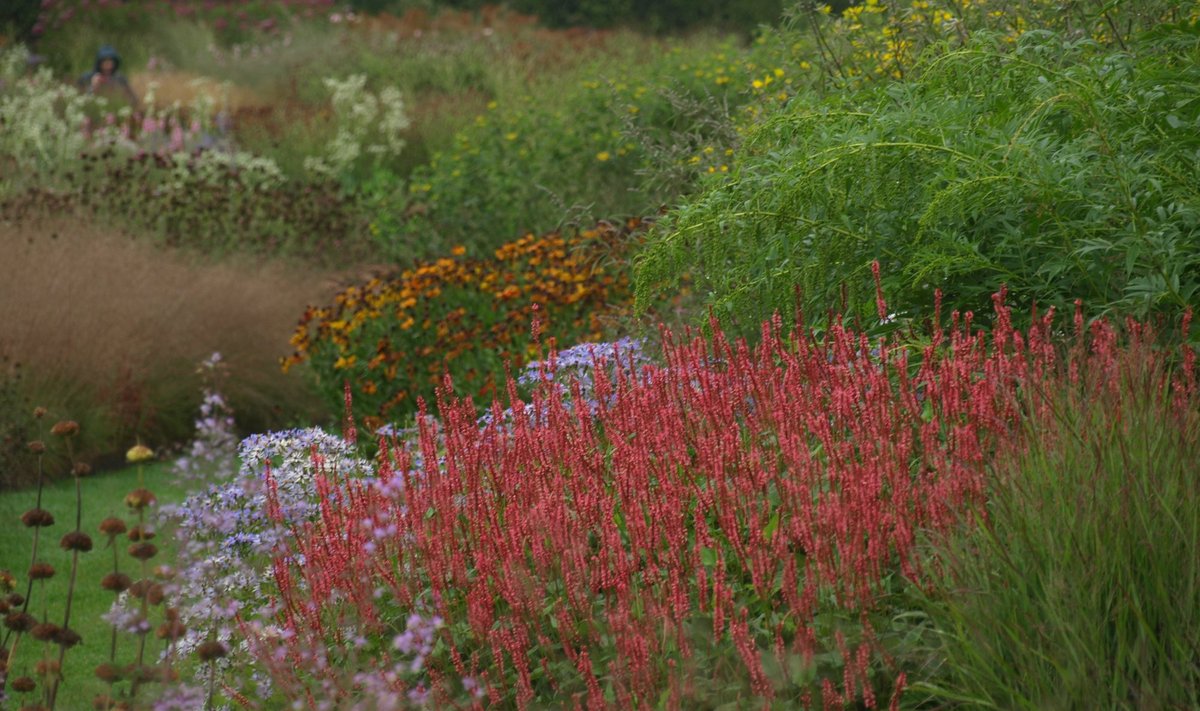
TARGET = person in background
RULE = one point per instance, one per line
(106, 77)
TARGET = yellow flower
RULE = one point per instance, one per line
(139, 453)
(511, 136)
(458, 251)
(603, 156)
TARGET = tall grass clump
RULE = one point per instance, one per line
(1081, 586)
(1057, 166)
(110, 329)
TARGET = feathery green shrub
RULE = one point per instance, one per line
(1061, 168)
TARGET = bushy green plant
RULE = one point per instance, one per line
(42, 119)
(1057, 167)
(587, 149)
(392, 340)
(1079, 584)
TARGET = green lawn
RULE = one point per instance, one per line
(103, 496)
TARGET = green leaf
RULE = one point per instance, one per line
(771, 526)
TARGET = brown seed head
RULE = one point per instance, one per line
(143, 551)
(116, 582)
(171, 629)
(65, 428)
(76, 541)
(15, 599)
(37, 517)
(138, 589)
(47, 667)
(141, 532)
(41, 571)
(37, 446)
(164, 572)
(139, 499)
(210, 650)
(112, 526)
(141, 672)
(108, 672)
(7, 582)
(155, 595)
(24, 684)
(4, 607)
(39, 413)
(44, 631)
(81, 469)
(67, 637)
(19, 621)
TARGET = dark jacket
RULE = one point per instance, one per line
(116, 80)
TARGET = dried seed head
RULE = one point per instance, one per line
(155, 595)
(108, 672)
(37, 446)
(139, 499)
(41, 571)
(76, 541)
(112, 526)
(140, 672)
(15, 599)
(24, 684)
(37, 517)
(139, 588)
(4, 607)
(67, 637)
(47, 667)
(143, 551)
(116, 582)
(81, 469)
(171, 630)
(210, 650)
(7, 582)
(141, 532)
(139, 453)
(19, 621)
(39, 413)
(164, 572)
(65, 428)
(44, 631)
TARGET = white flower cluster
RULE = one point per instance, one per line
(366, 123)
(40, 117)
(227, 539)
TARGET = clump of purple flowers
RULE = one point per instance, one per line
(212, 455)
(574, 367)
(227, 540)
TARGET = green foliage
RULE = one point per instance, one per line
(654, 16)
(609, 140)
(1082, 588)
(1057, 167)
(18, 18)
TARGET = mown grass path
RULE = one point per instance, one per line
(103, 496)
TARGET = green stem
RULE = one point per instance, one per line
(66, 625)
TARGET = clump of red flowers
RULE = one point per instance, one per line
(745, 493)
